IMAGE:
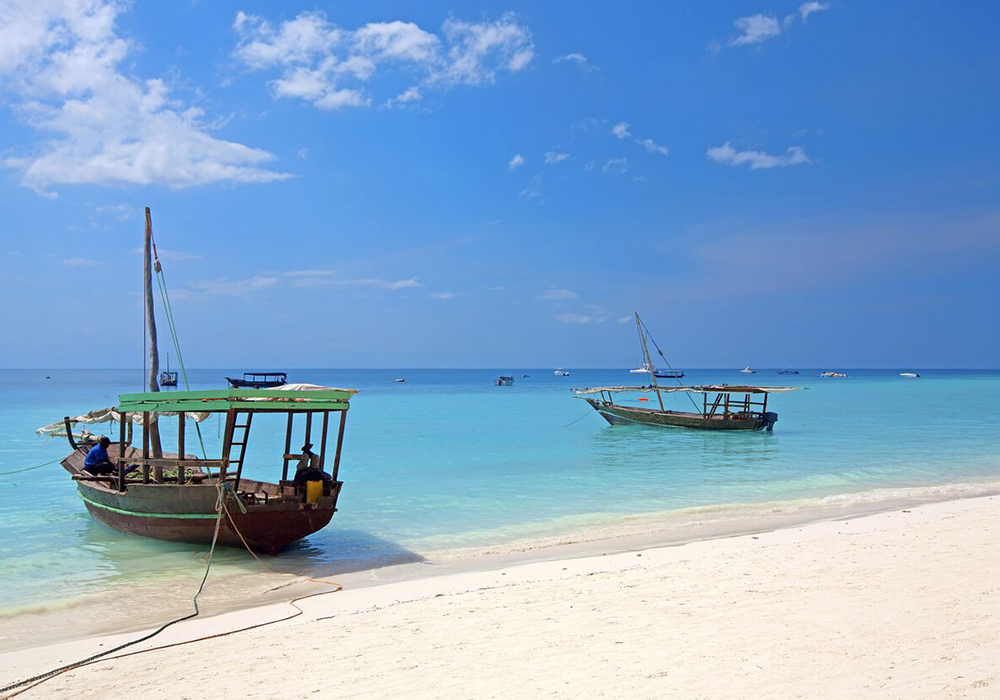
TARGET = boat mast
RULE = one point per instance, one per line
(649, 362)
(154, 358)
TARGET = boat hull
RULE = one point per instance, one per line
(191, 516)
(246, 384)
(617, 415)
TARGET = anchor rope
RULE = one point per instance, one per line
(225, 489)
(28, 469)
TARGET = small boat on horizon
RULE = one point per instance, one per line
(399, 380)
(168, 378)
(504, 380)
(747, 370)
(909, 375)
(788, 371)
(259, 380)
(833, 375)
(561, 373)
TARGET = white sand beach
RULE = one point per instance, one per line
(901, 604)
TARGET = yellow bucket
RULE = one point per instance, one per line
(314, 489)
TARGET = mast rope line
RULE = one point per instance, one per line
(28, 469)
(225, 490)
(677, 379)
(168, 311)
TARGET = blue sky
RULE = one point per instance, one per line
(501, 184)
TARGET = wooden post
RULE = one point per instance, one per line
(288, 446)
(145, 447)
(704, 404)
(763, 410)
(309, 423)
(340, 444)
(154, 358)
(121, 451)
(322, 442)
(180, 448)
(69, 432)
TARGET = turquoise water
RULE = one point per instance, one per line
(447, 460)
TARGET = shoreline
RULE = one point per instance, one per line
(891, 595)
(257, 590)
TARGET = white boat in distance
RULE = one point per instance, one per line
(747, 370)
(561, 373)
(909, 375)
(640, 370)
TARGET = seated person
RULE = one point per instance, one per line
(308, 468)
(97, 461)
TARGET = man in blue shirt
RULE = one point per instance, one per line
(97, 461)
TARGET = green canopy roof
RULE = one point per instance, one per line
(221, 400)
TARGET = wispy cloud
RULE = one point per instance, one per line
(618, 166)
(594, 314)
(225, 286)
(621, 130)
(443, 296)
(577, 58)
(756, 29)
(171, 254)
(793, 155)
(551, 157)
(808, 8)
(332, 67)
(653, 147)
(79, 262)
(528, 193)
(516, 162)
(623, 319)
(557, 295)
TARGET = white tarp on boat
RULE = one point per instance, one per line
(106, 415)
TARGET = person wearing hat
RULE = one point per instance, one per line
(308, 468)
(97, 461)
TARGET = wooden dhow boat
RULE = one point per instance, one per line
(176, 497)
(720, 412)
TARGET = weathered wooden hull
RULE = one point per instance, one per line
(188, 513)
(266, 528)
(615, 414)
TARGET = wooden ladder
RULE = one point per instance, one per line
(236, 439)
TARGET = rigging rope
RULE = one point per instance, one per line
(677, 379)
(168, 311)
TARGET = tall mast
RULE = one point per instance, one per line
(649, 362)
(154, 358)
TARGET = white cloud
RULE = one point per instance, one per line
(619, 166)
(224, 286)
(551, 157)
(79, 262)
(557, 295)
(755, 29)
(442, 295)
(589, 166)
(793, 155)
(621, 130)
(303, 153)
(330, 67)
(60, 62)
(653, 147)
(807, 8)
(581, 319)
(516, 162)
(623, 320)
(530, 194)
(577, 58)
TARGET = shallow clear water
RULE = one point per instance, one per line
(448, 460)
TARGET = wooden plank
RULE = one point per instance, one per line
(173, 462)
(180, 447)
(220, 394)
(145, 446)
(121, 451)
(322, 440)
(288, 447)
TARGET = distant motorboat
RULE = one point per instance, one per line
(504, 380)
(640, 370)
(747, 370)
(788, 371)
(836, 375)
(669, 373)
(561, 373)
(399, 380)
(909, 375)
(525, 375)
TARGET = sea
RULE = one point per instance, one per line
(448, 462)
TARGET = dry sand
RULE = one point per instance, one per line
(903, 604)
